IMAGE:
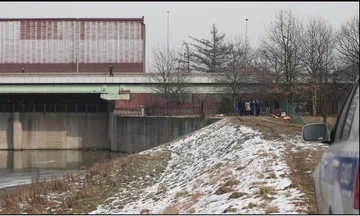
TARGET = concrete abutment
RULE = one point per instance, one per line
(81, 131)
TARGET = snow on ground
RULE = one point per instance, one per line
(221, 168)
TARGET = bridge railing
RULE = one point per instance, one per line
(208, 108)
(53, 107)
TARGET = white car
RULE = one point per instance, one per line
(336, 178)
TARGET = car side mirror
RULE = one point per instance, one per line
(316, 132)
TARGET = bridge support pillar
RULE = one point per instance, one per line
(17, 132)
(113, 131)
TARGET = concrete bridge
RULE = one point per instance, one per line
(101, 83)
(96, 129)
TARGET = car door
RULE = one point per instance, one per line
(336, 161)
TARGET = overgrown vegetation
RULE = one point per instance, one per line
(226, 106)
(301, 175)
(81, 193)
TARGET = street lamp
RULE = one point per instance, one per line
(246, 30)
(167, 48)
(246, 45)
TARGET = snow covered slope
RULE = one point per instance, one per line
(222, 168)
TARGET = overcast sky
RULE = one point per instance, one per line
(186, 18)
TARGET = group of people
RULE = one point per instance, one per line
(254, 107)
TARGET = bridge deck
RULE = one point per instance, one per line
(88, 78)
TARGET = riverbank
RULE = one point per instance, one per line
(237, 165)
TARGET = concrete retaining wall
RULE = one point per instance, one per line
(6, 131)
(136, 134)
(54, 131)
(35, 131)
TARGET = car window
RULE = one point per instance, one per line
(355, 124)
(339, 127)
(350, 115)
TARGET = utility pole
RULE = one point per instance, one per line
(167, 48)
(77, 44)
(246, 46)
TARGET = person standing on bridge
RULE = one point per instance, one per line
(23, 70)
(111, 71)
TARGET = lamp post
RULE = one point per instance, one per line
(246, 30)
(246, 46)
(167, 48)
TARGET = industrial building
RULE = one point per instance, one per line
(72, 45)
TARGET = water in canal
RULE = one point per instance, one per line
(19, 167)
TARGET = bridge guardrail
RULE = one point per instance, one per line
(53, 107)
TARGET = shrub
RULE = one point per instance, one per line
(225, 106)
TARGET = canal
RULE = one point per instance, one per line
(19, 167)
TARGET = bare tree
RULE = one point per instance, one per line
(318, 59)
(280, 51)
(170, 80)
(184, 58)
(209, 55)
(235, 73)
(348, 47)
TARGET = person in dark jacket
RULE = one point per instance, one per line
(258, 107)
(242, 107)
(255, 107)
(276, 106)
(251, 107)
(238, 108)
(111, 71)
(267, 107)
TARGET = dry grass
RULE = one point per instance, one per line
(196, 196)
(82, 192)
(237, 194)
(301, 178)
(229, 209)
(214, 180)
(231, 182)
(271, 209)
(145, 211)
(261, 176)
(227, 172)
(187, 206)
(181, 194)
(192, 201)
(250, 206)
(270, 127)
(330, 120)
(171, 209)
(273, 175)
(265, 191)
(287, 193)
(191, 211)
(223, 190)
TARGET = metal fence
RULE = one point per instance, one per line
(196, 109)
(53, 107)
(290, 111)
(331, 107)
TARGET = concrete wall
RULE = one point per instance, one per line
(136, 134)
(51, 159)
(6, 131)
(54, 131)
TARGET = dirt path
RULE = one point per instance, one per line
(301, 163)
(272, 128)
